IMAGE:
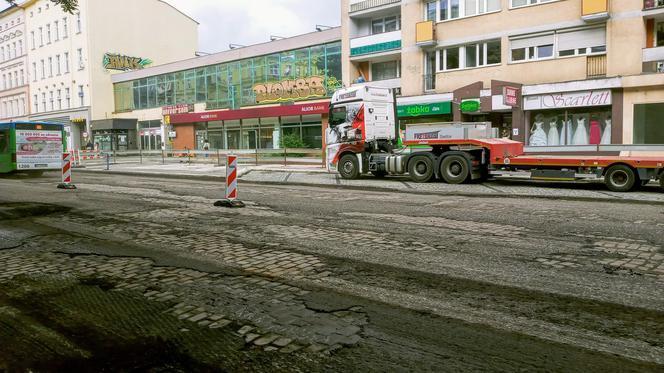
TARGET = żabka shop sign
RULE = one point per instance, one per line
(568, 100)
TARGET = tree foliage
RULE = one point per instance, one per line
(68, 6)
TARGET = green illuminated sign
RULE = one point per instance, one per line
(470, 106)
(438, 108)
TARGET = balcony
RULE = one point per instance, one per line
(425, 34)
(596, 66)
(653, 60)
(595, 10)
(366, 6)
(379, 44)
(653, 4)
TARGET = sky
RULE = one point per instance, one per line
(248, 22)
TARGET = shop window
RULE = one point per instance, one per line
(570, 127)
(649, 124)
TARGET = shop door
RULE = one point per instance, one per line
(250, 140)
(233, 139)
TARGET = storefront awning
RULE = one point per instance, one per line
(114, 124)
(259, 112)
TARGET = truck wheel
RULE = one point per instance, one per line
(349, 167)
(421, 169)
(620, 178)
(454, 169)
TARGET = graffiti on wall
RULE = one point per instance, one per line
(114, 61)
(291, 90)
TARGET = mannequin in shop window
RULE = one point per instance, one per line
(581, 133)
(537, 135)
(606, 136)
(595, 131)
(554, 136)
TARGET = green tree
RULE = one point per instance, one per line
(68, 6)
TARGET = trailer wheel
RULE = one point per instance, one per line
(454, 169)
(349, 167)
(620, 178)
(421, 169)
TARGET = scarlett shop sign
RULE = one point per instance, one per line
(568, 100)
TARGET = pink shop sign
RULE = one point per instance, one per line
(568, 100)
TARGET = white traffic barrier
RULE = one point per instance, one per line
(66, 172)
(231, 185)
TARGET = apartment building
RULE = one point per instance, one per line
(71, 58)
(555, 74)
(13, 65)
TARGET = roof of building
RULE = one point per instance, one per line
(181, 12)
(256, 50)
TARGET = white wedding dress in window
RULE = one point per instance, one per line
(554, 136)
(538, 136)
(581, 133)
(606, 136)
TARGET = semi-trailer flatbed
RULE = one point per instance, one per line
(363, 136)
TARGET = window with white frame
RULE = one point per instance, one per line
(57, 30)
(385, 24)
(532, 47)
(20, 47)
(34, 71)
(34, 41)
(41, 37)
(469, 56)
(43, 69)
(59, 99)
(50, 67)
(385, 70)
(79, 27)
(67, 98)
(81, 95)
(35, 100)
(48, 33)
(58, 64)
(50, 94)
(66, 62)
(80, 59)
(15, 78)
(444, 10)
(520, 3)
(22, 77)
(582, 41)
(65, 28)
(44, 101)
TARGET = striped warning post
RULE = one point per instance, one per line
(231, 200)
(66, 172)
(231, 177)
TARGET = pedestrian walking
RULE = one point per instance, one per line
(206, 147)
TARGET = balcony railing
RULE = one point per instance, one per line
(595, 10)
(378, 43)
(653, 60)
(596, 66)
(425, 33)
(368, 4)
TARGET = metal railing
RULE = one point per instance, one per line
(290, 156)
(368, 4)
(596, 66)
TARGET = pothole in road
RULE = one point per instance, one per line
(27, 210)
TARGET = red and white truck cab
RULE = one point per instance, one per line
(363, 137)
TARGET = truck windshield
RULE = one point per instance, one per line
(337, 115)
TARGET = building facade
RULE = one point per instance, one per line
(14, 99)
(72, 57)
(555, 74)
(263, 96)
